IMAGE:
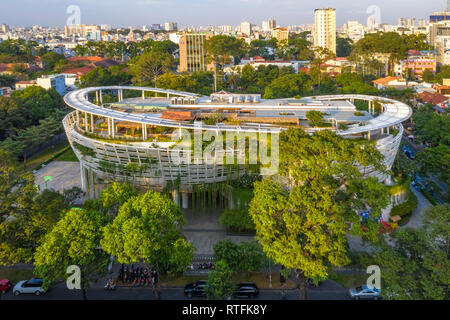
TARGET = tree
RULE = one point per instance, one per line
(13, 116)
(220, 50)
(29, 220)
(73, 241)
(436, 161)
(302, 216)
(322, 55)
(7, 80)
(220, 282)
(315, 118)
(343, 47)
(148, 230)
(428, 76)
(287, 86)
(51, 58)
(113, 197)
(416, 265)
(150, 65)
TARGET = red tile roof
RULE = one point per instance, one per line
(79, 71)
(433, 98)
(385, 81)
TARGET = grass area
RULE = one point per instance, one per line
(45, 155)
(260, 279)
(16, 275)
(349, 280)
(68, 156)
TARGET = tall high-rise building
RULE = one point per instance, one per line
(423, 23)
(192, 52)
(272, 24)
(5, 28)
(246, 28)
(325, 29)
(401, 22)
(411, 22)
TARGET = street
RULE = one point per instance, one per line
(329, 290)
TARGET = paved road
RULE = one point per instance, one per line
(416, 218)
(329, 290)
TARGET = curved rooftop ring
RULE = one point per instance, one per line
(122, 142)
(394, 112)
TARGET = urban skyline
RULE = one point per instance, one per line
(201, 12)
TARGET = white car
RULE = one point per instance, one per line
(364, 292)
(29, 286)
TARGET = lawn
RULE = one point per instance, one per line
(68, 156)
(349, 280)
(16, 275)
(33, 162)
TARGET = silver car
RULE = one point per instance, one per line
(29, 286)
(364, 292)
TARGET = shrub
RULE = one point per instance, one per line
(237, 220)
(406, 208)
(315, 118)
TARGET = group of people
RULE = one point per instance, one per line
(137, 275)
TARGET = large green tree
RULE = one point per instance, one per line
(221, 49)
(303, 215)
(148, 230)
(416, 264)
(150, 65)
(75, 241)
(220, 282)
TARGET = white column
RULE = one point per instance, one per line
(86, 127)
(109, 127)
(96, 97)
(143, 95)
(101, 98)
(113, 128)
(184, 200)
(92, 123)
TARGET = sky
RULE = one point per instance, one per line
(124, 13)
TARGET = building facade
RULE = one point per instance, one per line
(325, 29)
(193, 54)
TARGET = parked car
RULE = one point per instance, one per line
(246, 290)
(364, 292)
(5, 285)
(196, 289)
(33, 285)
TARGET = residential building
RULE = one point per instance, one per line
(325, 29)
(246, 28)
(5, 91)
(258, 61)
(171, 26)
(24, 84)
(417, 62)
(393, 82)
(192, 52)
(56, 81)
(281, 34)
(354, 30)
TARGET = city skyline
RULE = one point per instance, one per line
(121, 13)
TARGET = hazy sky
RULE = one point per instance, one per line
(205, 12)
